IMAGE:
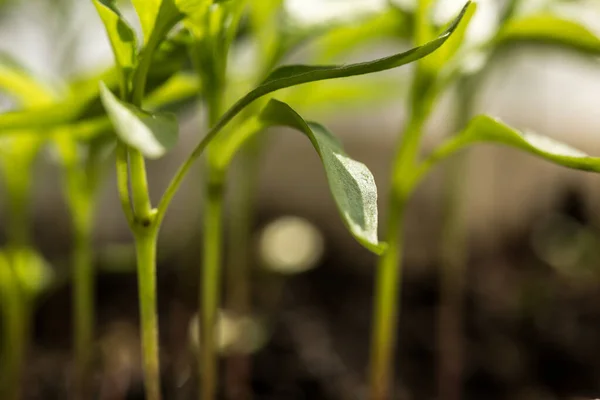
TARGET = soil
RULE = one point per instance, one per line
(530, 333)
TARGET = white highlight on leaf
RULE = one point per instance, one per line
(368, 227)
(552, 146)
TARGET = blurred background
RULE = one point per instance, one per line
(531, 325)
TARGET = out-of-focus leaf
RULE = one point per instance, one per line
(486, 129)
(20, 84)
(121, 35)
(351, 183)
(153, 134)
(147, 11)
(438, 59)
(157, 17)
(32, 271)
(330, 96)
(292, 75)
(424, 28)
(552, 29)
(178, 88)
(341, 39)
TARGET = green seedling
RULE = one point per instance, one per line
(142, 134)
(23, 273)
(434, 74)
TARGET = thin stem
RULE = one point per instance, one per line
(454, 261)
(145, 244)
(16, 338)
(238, 283)
(389, 272)
(83, 302)
(211, 284)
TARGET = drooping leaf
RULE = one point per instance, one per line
(121, 35)
(487, 129)
(551, 29)
(292, 75)
(351, 183)
(153, 134)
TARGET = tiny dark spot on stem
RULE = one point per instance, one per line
(146, 222)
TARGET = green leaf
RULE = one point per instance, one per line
(445, 54)
(153, 134)
(487, 129)
(292, 75)
(121, 35)
(553, 29)
(345, 37)
(157, 17)
(22, 85)
(351, 183)
(147, 11)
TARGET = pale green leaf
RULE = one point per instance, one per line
(153, 134)
(121, 35)
(351, 183)
(551, 29)
(486, 129)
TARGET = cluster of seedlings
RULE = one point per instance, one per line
(182, 56)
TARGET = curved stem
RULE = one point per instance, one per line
(389, 271)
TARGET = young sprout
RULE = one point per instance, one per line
(23, 273)
(453, 65)
(142, 134)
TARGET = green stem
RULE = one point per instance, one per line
(83, 303)
(145, 244)
(389, 272)
(238, 367)
(211, 284)
(83, 300)
(16, 338)
(454, 261)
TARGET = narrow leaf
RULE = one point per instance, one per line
(292, 75)
(153, 134)
(351, 183)
(551, 29)
(486, 129)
